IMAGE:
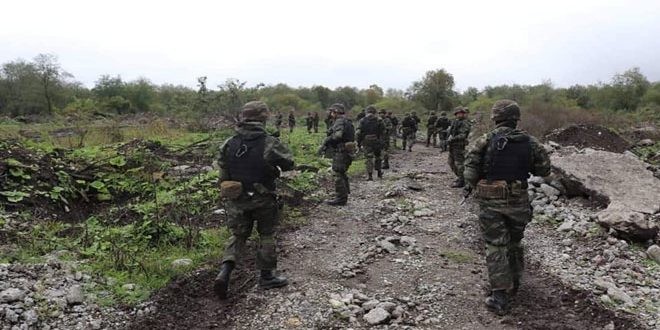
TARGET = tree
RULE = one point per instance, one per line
(434, 91)
(322, 95)
(108, 86)
(373, 94)
(628, 89)
(140, 93)
(51, 76)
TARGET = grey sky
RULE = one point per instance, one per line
(356, 43)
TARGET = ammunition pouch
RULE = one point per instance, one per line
(350, 147)
(497, 189)
(231, 189)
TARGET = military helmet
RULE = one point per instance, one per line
(505, 110)
(382, 112)
(254, 111)
(432, 113)
(338, 107)
(414, 113)
(443, 113)
(371, 109)
(459, 109)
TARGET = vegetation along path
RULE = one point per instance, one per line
(403, 254)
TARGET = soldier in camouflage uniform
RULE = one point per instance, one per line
(408, 131)
(278, 120)
(389, 128)
(340, 144)
(431, 132)
(395, 126)
(441, 126)
(292, 121)
(370, 134)
(458, 140)
(309, 122)
(251, 160)
(497, 167)
(315, 122)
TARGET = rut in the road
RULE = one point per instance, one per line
(418, 250)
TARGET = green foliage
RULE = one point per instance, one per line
(434, 91)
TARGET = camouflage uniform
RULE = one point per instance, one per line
(441, 126)
(505, 155)
(341, 132)
(315, 122)
(431, 132)
(458, 139)
(252, 157)
(370, 133)
(309, 122)
(278, 121)
(385, 142)
(408, 130)
(395, 126)
(292, 122)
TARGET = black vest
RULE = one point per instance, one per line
(369, 125)
(508, 159)
(246, 163)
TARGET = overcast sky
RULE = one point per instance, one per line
(340, 42)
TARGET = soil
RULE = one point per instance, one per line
(589, 136)
(441, 283)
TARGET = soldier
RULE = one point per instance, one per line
(417, 119)
(250, 161)
(395, 126)
(457, 140)
(385, 142)
(431, 132)
(497, 167)
(292, 121)
(408, 131)
(309, 122)
(315, 122)
(340, 143)
(441, 126)
(278, 120)
(328, 120)
(370, 133)
(360, 115)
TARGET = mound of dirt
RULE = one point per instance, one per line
(589, 136)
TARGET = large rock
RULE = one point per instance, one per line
(620, 182)
(11, 295)
(377, 316)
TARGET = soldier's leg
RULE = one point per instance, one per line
(518, 218)
(496, 235)
(369, 159)
(240, 226)
(404, 140)
(428, 137)
(267, 218)
(386, 157)
(378, 158)
(450, 160)
(459, 159)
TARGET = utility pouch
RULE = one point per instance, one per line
(497, 189)
(231, 189)
(350, 147)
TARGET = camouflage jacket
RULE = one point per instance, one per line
(475, 167)
(430, 123)
(292, 119)
(342, 131)
(409, 123)
(370, 125)
(459, 131)
(389, 127)
(275, 152)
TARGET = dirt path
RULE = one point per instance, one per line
(417, 255)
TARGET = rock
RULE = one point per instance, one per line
(377, 316)
(618, 295)
(654, 252)
(566, 226)
(387, 246)
(536, 180)
(645, 143)
(549, 190)
(371, 304)
(609, 326)
(75, 295)
(407, 240)
(622, 183)
(388, 306)
(336, 304)
(398, 312)
(128, 287)
(11, 316)
(181, 263)
(11, 295)
(31, 317)
(414, 185)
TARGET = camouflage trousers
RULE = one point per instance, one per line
(341, 161)
(373, 155)
(408, 137)
(456, 158)
(431, 137)
(503, 225)
(385, 152)
(442, 137)
(241, 216)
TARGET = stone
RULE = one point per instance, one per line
(566, 226)
(536, 181)
(618, 295)
(387, 246)
(376, 316)
(654, 252)
(628, 224)
(336, 304)
(549, 190)
(371, 304)
(610, 326)
(407, 240)
(75, 295)
(128, 287)
(645, 143)
(31, 317)
(11, 295)
(398, 312)
(388, 306)
(178, 263)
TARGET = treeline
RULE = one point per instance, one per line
(41, 88)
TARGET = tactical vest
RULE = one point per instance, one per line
(369, 126)
(349, 131)
(431, 121)
(508, 159)
(408, 122)
(246, 163)
(442, 123)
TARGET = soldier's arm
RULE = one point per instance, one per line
(277, 154)
(473, 160)
(222, 162)
(463, 131)
(540, 159)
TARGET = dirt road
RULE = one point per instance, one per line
(410, 261)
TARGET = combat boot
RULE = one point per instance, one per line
(459, 183)
(386, 165)
(221, 284)
(268, 280)
(370, 178)
(516, 286)
(336, 201)
(380, 174)
(498, 302)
